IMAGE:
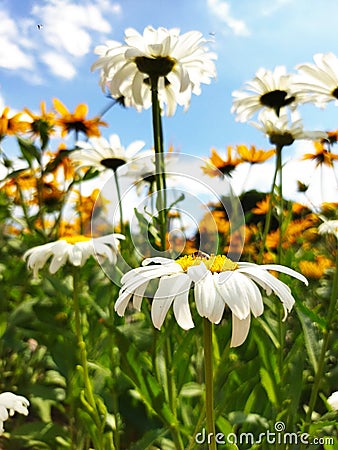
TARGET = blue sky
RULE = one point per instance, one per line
(54, 61)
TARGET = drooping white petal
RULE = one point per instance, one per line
(122, 302)
(138, 295)
(3, 415)
(181, 307)
(168, 288)
(235, 291)
(265, 279)
(219, 305)
(204, 290)
(240, 330)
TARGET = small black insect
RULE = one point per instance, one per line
(200, 254)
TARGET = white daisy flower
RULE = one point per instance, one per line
(9, 404)
(318, 82)
(102, 154)
(73, 249)
(333, 401)
(217, 282)
(273, 90)
(283, 130)
(328, 227)
(180, 63)
(144, 173)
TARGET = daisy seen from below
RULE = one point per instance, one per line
(217, 283)
(179, 62)
(9, 404)
(12, 123)
(218, 165)
(322, 156)
(269, 89)
(143, 171)
(284, 130)
(42, 125)
(73, 249)
(77, 121)
(253, 155)
(102, 154)
(318, 82)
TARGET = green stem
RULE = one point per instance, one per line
(115, 365)
(269, 213)
(281, 205)
(172, 393)
(209, 383)
(281, 324)
(326, 338)
(89, 395)
(119, 199)
(159, 161)
(24, 206)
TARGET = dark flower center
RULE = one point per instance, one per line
(281, 139)
(151, 178)
(227, 169)
(158, 67)
(77, 125)
(334, 93)
(276, 100)
(113, 163)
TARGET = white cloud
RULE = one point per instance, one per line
(2, 102)
(12, 56)
(270, 8)
(221, 9)
(59, 65)
(67, 26)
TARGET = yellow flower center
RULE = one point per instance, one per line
(75, 239)
(214, 263)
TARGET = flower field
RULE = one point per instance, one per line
(188, 319)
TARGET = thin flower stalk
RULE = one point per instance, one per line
(209, 382)
(271, 203)
(159, 160)
(325, 345)
(119, 199)
(89, 399)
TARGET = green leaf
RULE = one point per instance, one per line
(149, 438)
(192, 389)
(137, 367)
(269, 386)
(312, 315)
(52, 165)
(311, 339)
(29, 151)
(90, 174)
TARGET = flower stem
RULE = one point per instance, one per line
(326, 338)
(159, 160)
(172, 393)
(209, 383)
(281, 204)
(271, 202)
(89, 398)
(119, 199)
